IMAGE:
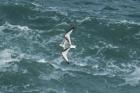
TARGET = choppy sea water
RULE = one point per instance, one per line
(107, 57)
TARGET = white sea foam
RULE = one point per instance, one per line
(36, 4)
(41, 61)
(62, 24)
(9, 55)
(110, 21)
(7, 25)
(83, 20)
(6, 56)
(137, 35)
(119, 21)
(57, 9)
(101, 45)
(128, 22)
(133, 79)
(114, 21)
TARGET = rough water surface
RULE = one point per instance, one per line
(107, 57)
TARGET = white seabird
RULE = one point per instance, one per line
(67, 45)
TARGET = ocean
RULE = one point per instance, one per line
(106, 59)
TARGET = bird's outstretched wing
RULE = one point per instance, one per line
(67, 35)
(64, 54)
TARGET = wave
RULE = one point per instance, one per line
(107, 20)
(133, 78)
(6, 56)
(92, 64)
(127, 22)
(7, 25)
(106, 57)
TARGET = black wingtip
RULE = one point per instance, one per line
(68, 62)
(72, 27)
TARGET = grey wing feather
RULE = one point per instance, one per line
(67, 35)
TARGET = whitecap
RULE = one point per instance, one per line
(133, 79)
(42, 60)
(58, 10)
(128, 22)
(62, 24)
(7, 25)
(119, 21)
(6, 56)
(7, 60)
(83, 20)
(112, 21)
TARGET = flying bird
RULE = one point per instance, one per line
(67, 45)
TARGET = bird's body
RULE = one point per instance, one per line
(67, 45)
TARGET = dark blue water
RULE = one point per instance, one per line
(107, 36)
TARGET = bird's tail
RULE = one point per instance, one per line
(73, 46)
